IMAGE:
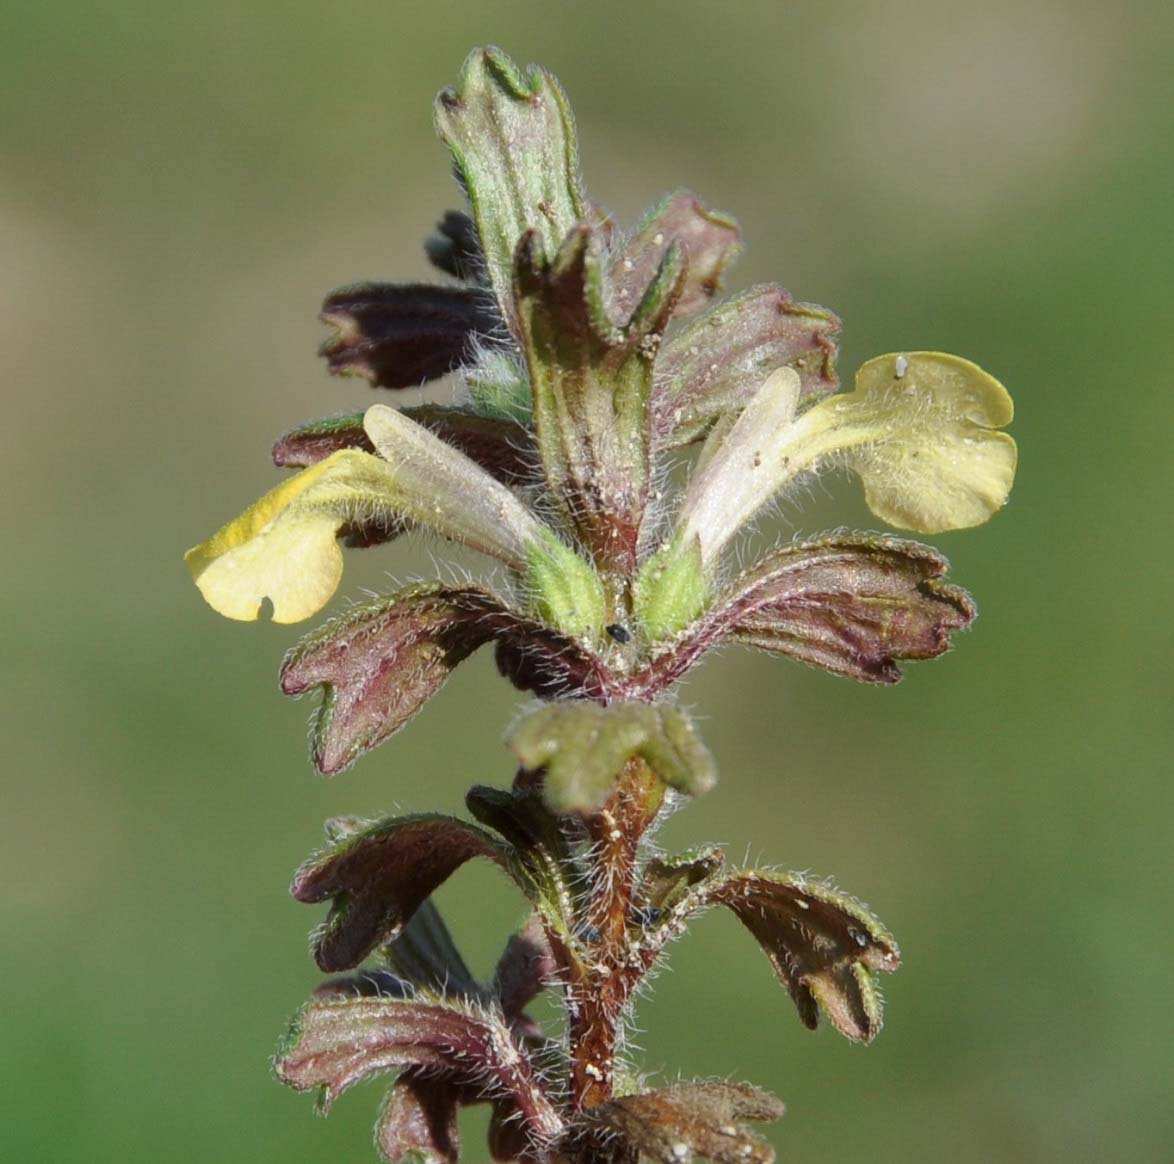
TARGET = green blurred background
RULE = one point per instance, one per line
(179, 185)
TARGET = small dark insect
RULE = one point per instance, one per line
(590, 935)
(621, 634)
(647, 915)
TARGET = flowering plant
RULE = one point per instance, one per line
(585, 359)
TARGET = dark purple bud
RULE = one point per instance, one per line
(335, 1043)
(400, 335)
(715, 364)
(824, 946)
(591, 383)
(380, 662)
(676, 1124)
(455, 248)
(376, 879)
(711, 241)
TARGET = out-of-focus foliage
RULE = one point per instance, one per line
(179, 187)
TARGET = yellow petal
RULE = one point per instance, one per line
(920, 430)
(283, 546)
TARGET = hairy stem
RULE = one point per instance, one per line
(611, 968)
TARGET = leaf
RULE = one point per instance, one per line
(711, 241)
(667, 880)
(591, 383)
(376, 879)
(714, 366)
(542, 858)
(582, 747)
(401, 335)
(853, 606)
(380, 662)
(424, 954)
(503, 448)
(418, 1122)
(335, 1043)
(825, 947)
(673, 1125)
(512, 139)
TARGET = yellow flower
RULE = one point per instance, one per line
(283, 547)
(920, 430)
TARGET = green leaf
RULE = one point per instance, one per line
(512, 138)
(583, 746)
(591, 382)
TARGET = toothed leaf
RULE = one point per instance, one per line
(713, 366)
(676, 1124)
(378, 663)
(335, 1043)
(512, 139)
(376, 879)
(854, 607)
(824, 946)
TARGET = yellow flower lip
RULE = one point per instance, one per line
(282, 547)
(927, 445)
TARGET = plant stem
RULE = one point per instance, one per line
(612, 966)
